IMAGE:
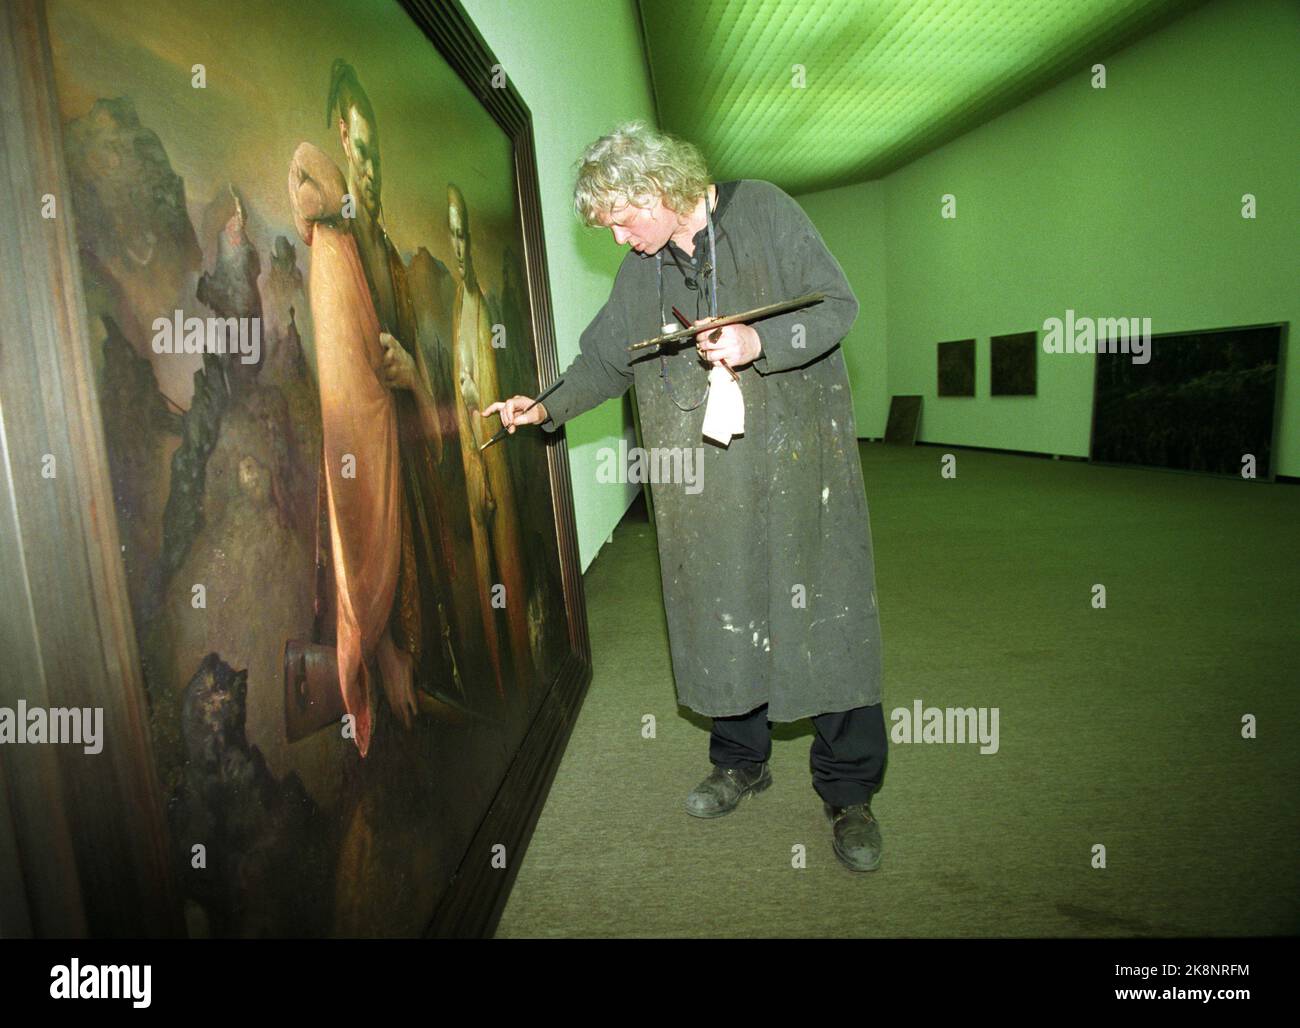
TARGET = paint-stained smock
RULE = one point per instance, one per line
(768, 573)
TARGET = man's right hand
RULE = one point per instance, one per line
(514, 411)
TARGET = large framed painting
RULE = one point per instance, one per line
(1206, 401)
(265, 265)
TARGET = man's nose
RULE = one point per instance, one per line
(620, 235)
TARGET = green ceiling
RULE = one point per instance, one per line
(886, 80)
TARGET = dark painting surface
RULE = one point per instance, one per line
(1202, 403)
(1014, 364)
(957, 368)
(904, 420)
(346, 614)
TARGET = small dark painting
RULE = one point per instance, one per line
(957, 368)
(1014, 364)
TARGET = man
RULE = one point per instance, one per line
(418, 626)
(494, 518)
(768, 574)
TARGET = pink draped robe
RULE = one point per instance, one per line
(358, 418)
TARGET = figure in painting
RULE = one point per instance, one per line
(494, 518)
(382, 435)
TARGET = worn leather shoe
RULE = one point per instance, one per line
(856, 836)
(723, 790)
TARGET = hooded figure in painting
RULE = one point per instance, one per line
(768, 573)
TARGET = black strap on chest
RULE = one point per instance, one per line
(709, 275)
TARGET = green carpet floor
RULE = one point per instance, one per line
(1118, 727)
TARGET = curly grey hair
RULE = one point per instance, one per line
(634, 164)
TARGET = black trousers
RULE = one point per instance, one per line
(847, 756)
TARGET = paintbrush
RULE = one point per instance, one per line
(504, 431)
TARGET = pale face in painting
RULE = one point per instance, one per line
(459, 235)
(361, 145)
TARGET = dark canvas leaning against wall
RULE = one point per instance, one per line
(350, 621)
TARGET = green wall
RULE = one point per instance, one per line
(852, 223)
(580, 67)
(1115, 202)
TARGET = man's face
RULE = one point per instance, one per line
(459, 240)
(361, 144)
(645, 229)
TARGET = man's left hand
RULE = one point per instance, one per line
(737, 344)
(397, 368)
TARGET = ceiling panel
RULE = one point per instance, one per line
(885, 81)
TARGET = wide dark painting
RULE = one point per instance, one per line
(301, 253)
(1204, 401)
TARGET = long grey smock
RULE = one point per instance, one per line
(766, 560)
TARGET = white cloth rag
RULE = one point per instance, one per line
(724, 414)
